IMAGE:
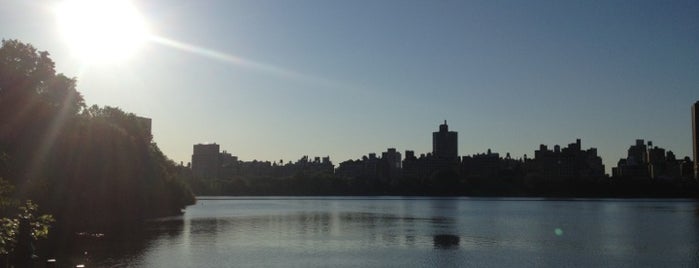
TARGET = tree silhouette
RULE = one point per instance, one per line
(93, 168)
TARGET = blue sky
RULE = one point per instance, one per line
(346, 78)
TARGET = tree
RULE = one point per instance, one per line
(28, 79)
(92, 168)
(19, 226)
(35, 102)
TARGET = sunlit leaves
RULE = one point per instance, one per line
(10, 226)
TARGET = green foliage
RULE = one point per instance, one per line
(10, 225)
(8, 234)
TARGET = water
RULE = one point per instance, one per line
(422, 232)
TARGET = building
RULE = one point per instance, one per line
(370, 168)
(443, 159)
(445, 143)
(485, 165)
(144, 124)
(305, 165)
(647, 162)
(569, 163)
(206, 161)
(636, 155)
(695, 138)
(409, 165)
(393, 163)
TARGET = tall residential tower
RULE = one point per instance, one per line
(445, 143)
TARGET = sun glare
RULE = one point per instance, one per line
(101, 30)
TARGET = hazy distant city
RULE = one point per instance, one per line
(443, 168)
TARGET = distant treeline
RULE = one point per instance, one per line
(441, 183)
(92, 168)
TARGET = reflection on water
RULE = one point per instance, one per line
(394, 232)
(446, 241)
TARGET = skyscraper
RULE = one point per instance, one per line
(695, 138)
(445, 143)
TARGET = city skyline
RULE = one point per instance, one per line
(278, 80)
(445, 148)
(572, 170)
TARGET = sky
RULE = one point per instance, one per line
(276, 80)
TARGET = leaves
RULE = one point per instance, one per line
(9, 227)
(8, 234)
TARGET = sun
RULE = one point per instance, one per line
(101, 30)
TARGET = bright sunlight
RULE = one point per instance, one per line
(101, 31)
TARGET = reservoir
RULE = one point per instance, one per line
(417, 232)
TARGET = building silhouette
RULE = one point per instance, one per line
(695, 138)
(569, 163)
(206, 161)
(391, 168)
(144, 124)
(484, 165)
(393, 164)
(410, 165)
(445, 143)
(385, 169)
(418, 168)
(647, 162)
(557, 170)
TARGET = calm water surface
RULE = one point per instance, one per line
(423, 232)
